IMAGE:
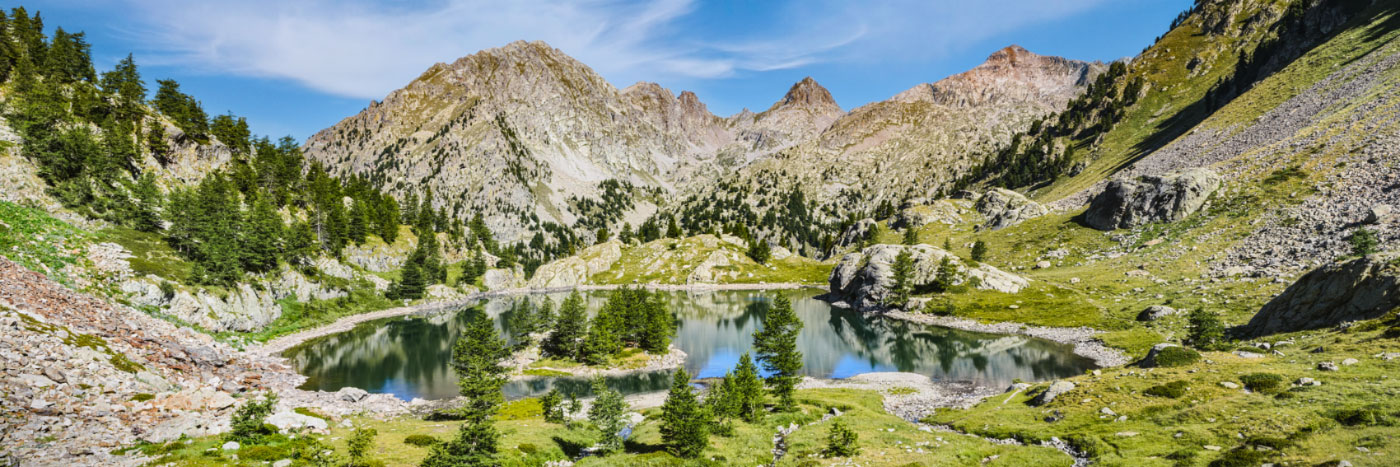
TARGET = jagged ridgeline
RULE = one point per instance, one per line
(537, 142)
(227, 202)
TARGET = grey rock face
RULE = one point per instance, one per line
(1127, 203)
(1363, 288)
(941, 211)
(856, 232)
(864, 279)
(1155, 312)
(1004, 208)
(1055, 390)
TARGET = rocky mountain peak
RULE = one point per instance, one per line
(807, 94)
(1011, 73)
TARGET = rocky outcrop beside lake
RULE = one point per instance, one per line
(1359, 289)
(1125, 204)
(863, 280)
(575, 270)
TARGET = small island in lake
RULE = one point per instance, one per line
(631, 333)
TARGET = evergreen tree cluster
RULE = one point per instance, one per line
(632, 317)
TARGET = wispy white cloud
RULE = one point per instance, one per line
(365, 49)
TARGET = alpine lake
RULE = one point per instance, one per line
(408, 356)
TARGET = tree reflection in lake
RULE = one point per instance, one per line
(407, 356)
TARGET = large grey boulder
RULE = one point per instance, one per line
(1155, 312)
(864, 279)
(1004, 208)
(1360, 289)
(1055, 390)
(1169, 198)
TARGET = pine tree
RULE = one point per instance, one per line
(903, 270)
(411, 284)
(522, 323)
(674, 230)
(606, 415)
(146, 217)
(748, 390)
(552, 404)
(544, 316)
(602, 340)
(979, 251)
(571, 326)
(776, 346)
(124, 82)
(759, 251)
(841, 441)
(684, 423)
(476, 358)
(262, 239)
(947, 275)
(911, 236)
(359, 222)
(301, 244)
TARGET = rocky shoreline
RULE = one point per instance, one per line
(1084, 339)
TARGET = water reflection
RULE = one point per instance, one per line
(407, 356)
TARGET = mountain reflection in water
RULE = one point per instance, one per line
(407, 356)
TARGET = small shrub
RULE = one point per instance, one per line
(1240, 458)
(528, 448)
(1363, 242)
(167, 289)
(421, 441)
(1170, 390)
(1206, 331)
(1263, 383)
(1088, 445)
(1361, 416)
(1177, 356)
(1269, 442)
(248, 423)
(358, 448)
(142, 397)
(841, 441)
(979, 251)
(444, 415)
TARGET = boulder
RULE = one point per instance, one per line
(1155, 312)
(1150, 361)
(352, 394)
(1049, 394)
(942, 211)
(1359, 289)
(291, 421)
(196, 400)
(1004, 208)
(1378, 214)
(863, 279)
(1169, 198)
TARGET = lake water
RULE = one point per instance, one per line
(407, 356)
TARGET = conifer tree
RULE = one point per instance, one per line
(476, 358)
(776, 346)
(146, 217)
(903, 271)
(544, 315)
(552, 404)
(124, 82)
(602, 340)
(747, 390)
(606, 414)
(674, 230)
(262, 239)
(979, 251)
(841, 440)
(522, 323)
(684, 424)
(759, 251)
(301, 243)
(359, 222)
(911, 236)
(571, 326)
(947, 275)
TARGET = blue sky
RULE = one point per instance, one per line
(296, 66)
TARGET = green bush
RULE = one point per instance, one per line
(247, 425)
(1206, 332)
(1361, 416)
(521, 409)
(1240, 458)
(421, 441)
(841, 441)
(1263, 383)
(142, 397)
(1088, 445)
(1177, 356)
(1170, 390)
(528, 448)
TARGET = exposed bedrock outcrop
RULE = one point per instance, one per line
(864, 279)
(1004, 208)
(1359, 289)
(1126, 204)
